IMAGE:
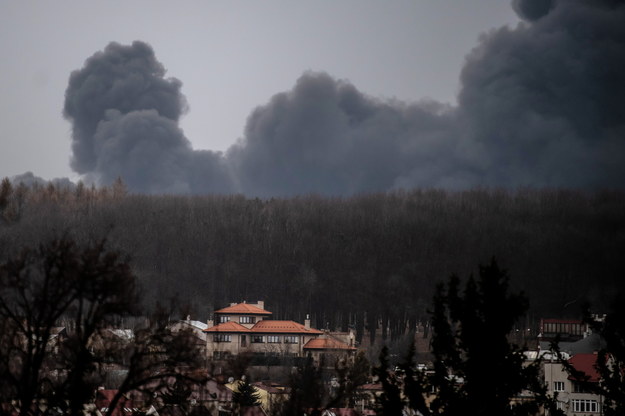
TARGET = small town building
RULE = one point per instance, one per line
(247, 328)
(572, 396)
(327, 350)
(195, 329)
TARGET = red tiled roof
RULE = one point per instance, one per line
(586, 364)
(105, 395)
(227, 327)
(371, 386)
(103, 400)
(286, 327)
(327, 344)
(244, 308)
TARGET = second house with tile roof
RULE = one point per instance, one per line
(247, 328)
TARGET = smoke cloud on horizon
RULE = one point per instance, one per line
(540, 105)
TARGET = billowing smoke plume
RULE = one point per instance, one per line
(532, 9)
(125, 124)
(540, 105)
(543, 102)
(325, 136)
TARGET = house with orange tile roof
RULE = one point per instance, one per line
(328, 349)
(246, 314)
(247, 328)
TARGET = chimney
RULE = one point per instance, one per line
(210, 323)
(261, 304)
(307, 322)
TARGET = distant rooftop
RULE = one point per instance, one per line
(243, 308)
(197, 324)
(287, 327)
(228, 327)
(327, 344)
(586, 364)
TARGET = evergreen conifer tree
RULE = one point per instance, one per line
(389, 402)
(246, 395)
(477, 371)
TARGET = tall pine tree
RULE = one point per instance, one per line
(245, 395)
(477, 371)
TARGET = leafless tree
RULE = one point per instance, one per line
(88, 288)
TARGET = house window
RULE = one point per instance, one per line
(558, 386)
(222, 338)
(220, 355)
(290, 339)
(579, 387)
(560, 405)
(247, 319)
(273, 339)
(584, 405)
(258, 339)
(223, 319)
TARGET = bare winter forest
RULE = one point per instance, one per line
(363, 261)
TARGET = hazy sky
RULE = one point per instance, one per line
(330, 97)
(231, 56)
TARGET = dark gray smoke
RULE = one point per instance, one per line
(532, 9)
(125, 124)
(540, 105)
(30, 180)
(543, 102)
(326, 136)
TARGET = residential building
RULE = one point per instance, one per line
(571, 396)
(196, 327)
(244, 328)
(328, 350)
(564, 329)
(246, 314)
(247, 328)
(196, 331)
(574, 336)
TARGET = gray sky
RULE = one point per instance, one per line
(231, 57)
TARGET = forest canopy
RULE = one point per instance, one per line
(352, 261)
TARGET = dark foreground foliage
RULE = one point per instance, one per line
(477, 370)
(88, 288)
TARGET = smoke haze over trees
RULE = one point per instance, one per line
(346, 261)
(538, 106)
